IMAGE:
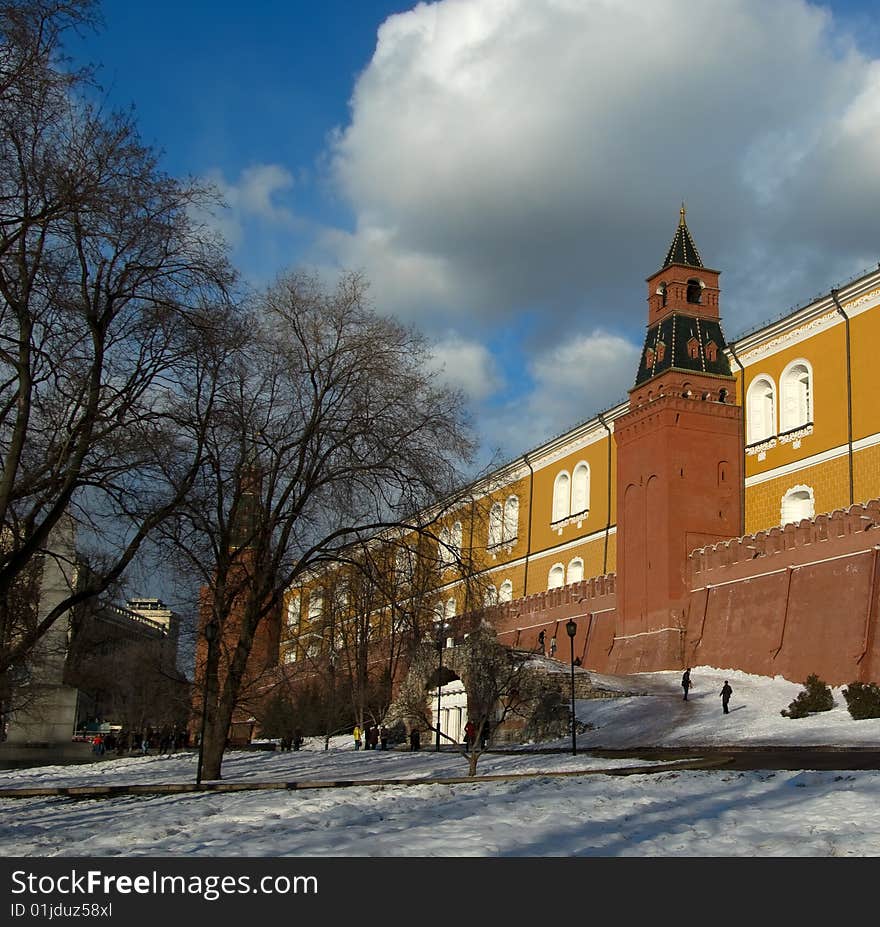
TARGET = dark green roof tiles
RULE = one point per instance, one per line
(685, 343)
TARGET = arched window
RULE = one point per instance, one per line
(556, 578)
(511, 519)
(444, 547)
(449, 611)
(505, 591)
(798, 503)
(694, 291)
(575, 571)
(795, 396)
(490, 596)
(561, 496)
(294, 613)
(455, 539)
(661, 292)
(403, 564)
(761, 409)
(580, 489)
(495, 527)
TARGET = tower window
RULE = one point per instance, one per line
(693, 348)
(711, 351)
(661, 292)
(694, 291)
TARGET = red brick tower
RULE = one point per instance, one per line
(678, 450)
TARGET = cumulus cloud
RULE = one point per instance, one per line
(569, 383)
(468, 366)
(504, 154)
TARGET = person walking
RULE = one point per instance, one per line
(553, 646)
(356, 733)
(415, 739)
(725, 694)
(469, 732)
(541, 642)
(686, 682)
(383, 737)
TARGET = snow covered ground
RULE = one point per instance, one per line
(670, 813)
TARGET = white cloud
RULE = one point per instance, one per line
(254, 195)
(468, 366)
(571, 382)
(504, 154)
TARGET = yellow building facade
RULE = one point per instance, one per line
(810, 444)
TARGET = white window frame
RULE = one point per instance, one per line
(767, 422)
(580, 475)
(801, 490)
(795, 401)
(557, 569)
(574, 562)
(510, 520)
(496, 525)
(505, 591)
(561, 497)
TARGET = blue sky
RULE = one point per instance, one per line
(507, 172)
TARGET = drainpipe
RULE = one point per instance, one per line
(529, 531)
(849, 421)
(608, 481)
(742, 482)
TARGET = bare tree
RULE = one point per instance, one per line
(330, 429)
(108, 296)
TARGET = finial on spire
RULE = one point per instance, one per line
(683, 250)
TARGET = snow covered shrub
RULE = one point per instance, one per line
(863, 700)
(815, 696)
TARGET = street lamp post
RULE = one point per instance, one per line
(571, 629)
(439, 683)
(210, 636)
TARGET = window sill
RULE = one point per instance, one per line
(577, 519)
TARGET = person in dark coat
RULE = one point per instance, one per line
(383, 737)
(686, 682)
(725, 694)
(541, 641)
(415, 739)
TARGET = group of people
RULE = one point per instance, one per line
(371, 737)
(293, 741)
(542, 646)
(725, 693)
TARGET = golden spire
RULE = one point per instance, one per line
(681, 212)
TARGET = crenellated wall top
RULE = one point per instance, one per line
(843, 528)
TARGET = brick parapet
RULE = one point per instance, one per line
(838, 532)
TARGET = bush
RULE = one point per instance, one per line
(863, 700)
(816, 696)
